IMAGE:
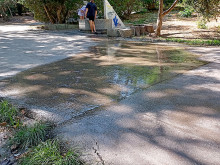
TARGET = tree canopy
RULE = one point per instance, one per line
(53, 11)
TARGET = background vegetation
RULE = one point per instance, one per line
(7, 8)
(207, 8)
(53, 11)
(59, 11)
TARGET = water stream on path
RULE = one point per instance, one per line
(109, 72)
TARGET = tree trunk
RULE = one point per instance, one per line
(161, 14)
(10, 11)
(48, 14)
(59, 15)
(4, 15)
(65, 15)
(159, 19)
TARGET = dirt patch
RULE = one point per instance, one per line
(186, 28)
(175, 26)
(21, 20)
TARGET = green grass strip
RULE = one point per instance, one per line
(195, 42)
(30, 136)
(8, 114)
(49, 153)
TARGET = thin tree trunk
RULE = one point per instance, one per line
(65, 15)
(48, 14)
(4, 14)
(10, 11)
(59, 15)
(161, 14)
(3, 11)
(160, 18)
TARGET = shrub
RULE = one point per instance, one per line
(30, 136)
(49, 153)
(150, 4)
(7, 8)
(8, 114)
(202, 24)
(187, 12)
(53, 11)
(122, 8)
(218, 28)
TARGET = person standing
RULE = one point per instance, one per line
(82, 11)
(91, 13)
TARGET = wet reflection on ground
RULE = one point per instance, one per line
(108, 72)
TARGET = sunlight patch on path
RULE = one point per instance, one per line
(22, 48)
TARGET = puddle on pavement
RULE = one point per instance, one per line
(111, 71)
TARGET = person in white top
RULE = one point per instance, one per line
(82, 11)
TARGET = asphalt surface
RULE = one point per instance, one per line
(173, 122)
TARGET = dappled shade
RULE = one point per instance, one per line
(109, 72)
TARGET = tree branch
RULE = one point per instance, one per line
(171, 8)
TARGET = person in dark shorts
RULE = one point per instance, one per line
(91, 12)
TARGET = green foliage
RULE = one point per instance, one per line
(8, 114)
(208, 8)
(6, 8)
(218, 28)
(142, 11)
(123, 8)
(150, 4)
(145, 18)
(148, 1)
(187, 12)
(168, 3)
(196, 42)
(30, 136)
(71, 158)
(126, 7)
(201, 24)
(36, 6)
(140, 21)
(153, 4)
(53, 11)
(49, 153)
(100, 8)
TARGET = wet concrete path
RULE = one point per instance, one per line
(173, 122)
(176, 121)
(107, 73)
